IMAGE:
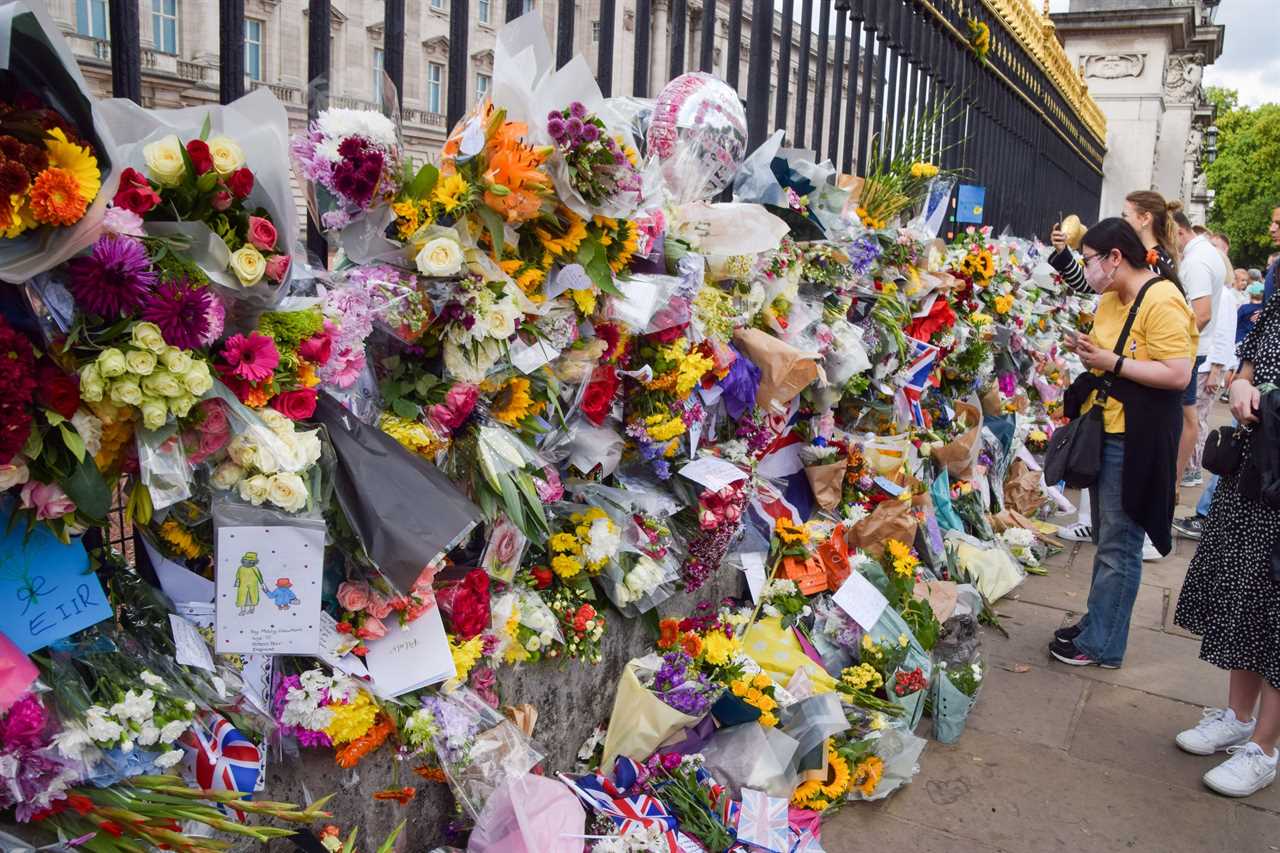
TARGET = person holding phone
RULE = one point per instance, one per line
(1231, 597)
(1144, 336)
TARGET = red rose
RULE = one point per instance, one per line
(316, 348)
(597, 400)
(201, 159)
(541, 576)
(135, 193)
(56, 390)
(666, 336)
(469, 604)
(296, 405)
(240, 182)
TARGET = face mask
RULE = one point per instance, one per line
(1098, 279)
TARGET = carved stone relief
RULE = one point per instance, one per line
(1182, 75)
(1113, 66)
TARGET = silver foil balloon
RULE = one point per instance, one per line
(698, 132)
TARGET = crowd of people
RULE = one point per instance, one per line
(1178, 328)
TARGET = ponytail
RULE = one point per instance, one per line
(1166, 234)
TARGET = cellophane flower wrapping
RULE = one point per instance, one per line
(750, 755)
(479, 750)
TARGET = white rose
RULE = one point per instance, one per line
(276, 422)
(226, 475)
(227, 155)
(197, 379)
(255, 489)
(288, 492)
(150, 679)
(439, 257)
(308, 445)
(14, 473)
(176, 360)
(248, 265)
(149, 337)
(164, 161)
(140, 362)
(242, 450)
(90, 428)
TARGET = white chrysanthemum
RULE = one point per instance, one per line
(150, 679)
(138, 707)
(148, 734)
(373, 126)
(173, 730)
(328, 150)
(604, 541)
(74, 742)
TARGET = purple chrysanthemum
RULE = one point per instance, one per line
(182, 311)
(113, 279)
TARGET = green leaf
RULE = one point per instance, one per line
(73, 441)
(600, 273)
(493, 224)
(512, 504)
(404, 408)
(423, 182)
(86, 487)
(204, 128)
(206, 182)
(391, 839)
(53, 417)
(34, 444)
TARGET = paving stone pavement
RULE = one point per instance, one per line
(1059, 758)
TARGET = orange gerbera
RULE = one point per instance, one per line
(668, 633)
(56, 199)
(692, 645)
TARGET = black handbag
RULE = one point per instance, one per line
(1224, 450)
(1075, 450)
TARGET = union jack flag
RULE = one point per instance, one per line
(763, 821)
(914, 377)
(782, 490)
(220, 758)
(643, 810)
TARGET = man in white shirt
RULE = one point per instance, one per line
(1212, 375)
(1204, 276)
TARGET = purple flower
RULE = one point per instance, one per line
(740, 385)
(862, 254)
(590, 133)
(113, 279)
(182, 310)
(555, 127)
(577, 109)
(574, 128)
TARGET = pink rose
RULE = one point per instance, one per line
(47, 499)
(371, 629)
(379, 606)
(278, 267)
(262, 233)
(457, 406)
(215, 418)
(354, 596)
(221, 200)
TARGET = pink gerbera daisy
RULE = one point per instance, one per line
(253, 358)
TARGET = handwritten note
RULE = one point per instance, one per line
(753, 568)
(268, 589)
(46, 589)
(713, 473)
(529, 357)
(191, 649)
(858, 597)
(413, 658)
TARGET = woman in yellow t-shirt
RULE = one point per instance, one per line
(1142, 420)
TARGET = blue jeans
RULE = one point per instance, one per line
(1117, 567)
(1206, 497)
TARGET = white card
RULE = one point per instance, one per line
(753, 568)
(268, 589)
(412, 658)
(332, 642)
(639, 301)
(191, 649)
(177, 581)
(255, 670)
(713, 473)
(529, 357)
(858, 597)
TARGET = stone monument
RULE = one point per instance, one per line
(1144, 61)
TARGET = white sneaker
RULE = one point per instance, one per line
(1149, 552)
(1217, 730)
(1245, 773)
(1076, 533)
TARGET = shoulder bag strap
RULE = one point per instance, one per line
(1105, 390)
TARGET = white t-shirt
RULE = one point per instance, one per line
(1203, 274)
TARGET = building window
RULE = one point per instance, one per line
(483, 82)
(482, 12)
(435, 86)
(437, 4)
(91, 18)
(164, 25)
(253, 49)
(527, 7)
(377, 75)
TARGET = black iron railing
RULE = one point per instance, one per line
(885, 71)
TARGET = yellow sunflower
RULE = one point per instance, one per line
(837, 782)
(451, 193)
(866, 776)
(565, 244)
(513, 403)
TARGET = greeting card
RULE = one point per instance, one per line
(268, 589)
(47, 591)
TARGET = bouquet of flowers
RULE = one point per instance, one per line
(148, 374)
(526, 628)
(587, 540)
(266, 463)
(680, 683)
(49, 173)
(330, 711)
(280, 363)
(366, 604)
(354, 156)
(583, 625)
(601, 169)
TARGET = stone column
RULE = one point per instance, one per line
(659, 44)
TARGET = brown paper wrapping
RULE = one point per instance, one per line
(991, 403)
(1005, 519)
(889, 520)
(941, 596)
(1022, 490)
(959, 455)
(524, 715)
(784, 370)
(827, 482)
